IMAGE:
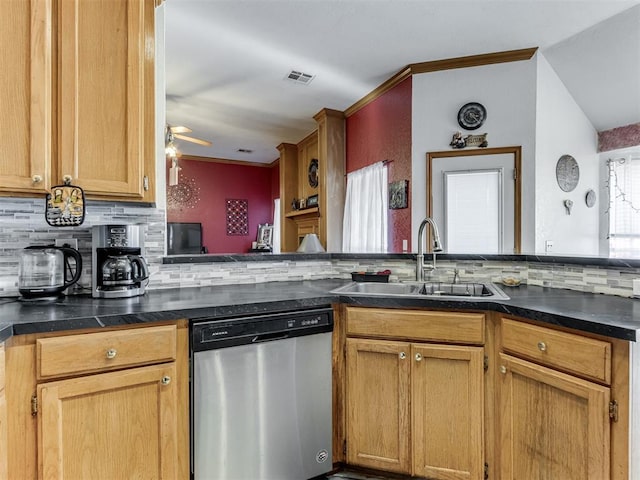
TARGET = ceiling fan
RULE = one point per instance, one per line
(178, 131)
(172, 151)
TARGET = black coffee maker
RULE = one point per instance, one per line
(118, 265)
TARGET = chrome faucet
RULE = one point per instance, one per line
(437, 247)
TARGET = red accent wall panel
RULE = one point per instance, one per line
(382, 131)
(621, 137)
(216, 182)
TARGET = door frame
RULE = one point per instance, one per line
(516, 151)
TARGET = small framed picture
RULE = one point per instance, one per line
(312, 201)
(398, 193)
(265, 235)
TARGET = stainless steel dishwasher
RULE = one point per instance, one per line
(261, 397)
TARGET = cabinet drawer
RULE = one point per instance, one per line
(450, 327)
(95, 352)
(572, 353)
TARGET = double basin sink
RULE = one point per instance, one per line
(453, 291)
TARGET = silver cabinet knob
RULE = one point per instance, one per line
(542, 346)
(111, 353)
(503, 369)
(402, 355)
(166, 380)
(36, 178)
(418, 357)
(66, 179)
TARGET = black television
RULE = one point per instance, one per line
(184, 238)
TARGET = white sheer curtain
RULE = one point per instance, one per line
(365, 211)
(276, 226)
(624, 207)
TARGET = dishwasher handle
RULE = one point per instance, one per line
(269, 337)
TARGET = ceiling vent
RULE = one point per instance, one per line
(299, 77)
(245, 150)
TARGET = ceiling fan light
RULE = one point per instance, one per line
(171, 150)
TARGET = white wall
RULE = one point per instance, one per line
(563, 128)
(507, 91)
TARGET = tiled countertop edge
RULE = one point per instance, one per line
(271, 257)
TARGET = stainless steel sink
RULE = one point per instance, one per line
(454, 291)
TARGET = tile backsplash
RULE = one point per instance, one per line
(22, 223)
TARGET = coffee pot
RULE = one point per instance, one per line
(45, 271)
(122, 270)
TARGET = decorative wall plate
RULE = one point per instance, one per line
(567, 173)
(472, 115)
(313, 172)
(590, 198)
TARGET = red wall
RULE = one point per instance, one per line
(218, 182)
(382, 131)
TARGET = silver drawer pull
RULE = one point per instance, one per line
(503, 369)
(542, 346)
(418, 357)
(166, 380)
(402, 355)
(111, 353)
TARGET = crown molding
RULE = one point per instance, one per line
(437, 65)
(226, 160)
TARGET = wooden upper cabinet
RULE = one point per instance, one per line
(25, 96)
(103, 80)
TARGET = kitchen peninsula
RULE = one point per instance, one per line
(607, 325)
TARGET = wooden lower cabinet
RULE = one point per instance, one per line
(447, 392)
(378, 399)
(553, 425)
(114, 425)
(415, 408)
(128, 417)
(3, 420)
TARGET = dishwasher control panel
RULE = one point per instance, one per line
(211, 334)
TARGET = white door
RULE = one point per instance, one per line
(474, 202)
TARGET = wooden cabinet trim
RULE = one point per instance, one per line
(81, 354)
(586, 357)
(418, 325)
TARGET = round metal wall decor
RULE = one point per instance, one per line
(567, 173)
(590, 198)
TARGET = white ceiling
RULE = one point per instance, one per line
(226, 60)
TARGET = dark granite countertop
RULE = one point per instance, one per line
(596, 313)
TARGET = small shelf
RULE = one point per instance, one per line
(306, 211)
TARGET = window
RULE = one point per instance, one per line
(624, 207)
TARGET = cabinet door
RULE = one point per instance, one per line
(113, 425)
(25, 96)
(3, 420)
(102, 92)
(552, 425)
(378, 404)
(447, 411)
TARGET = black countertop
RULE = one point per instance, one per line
(596, 313)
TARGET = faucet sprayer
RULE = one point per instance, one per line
(437, 247)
